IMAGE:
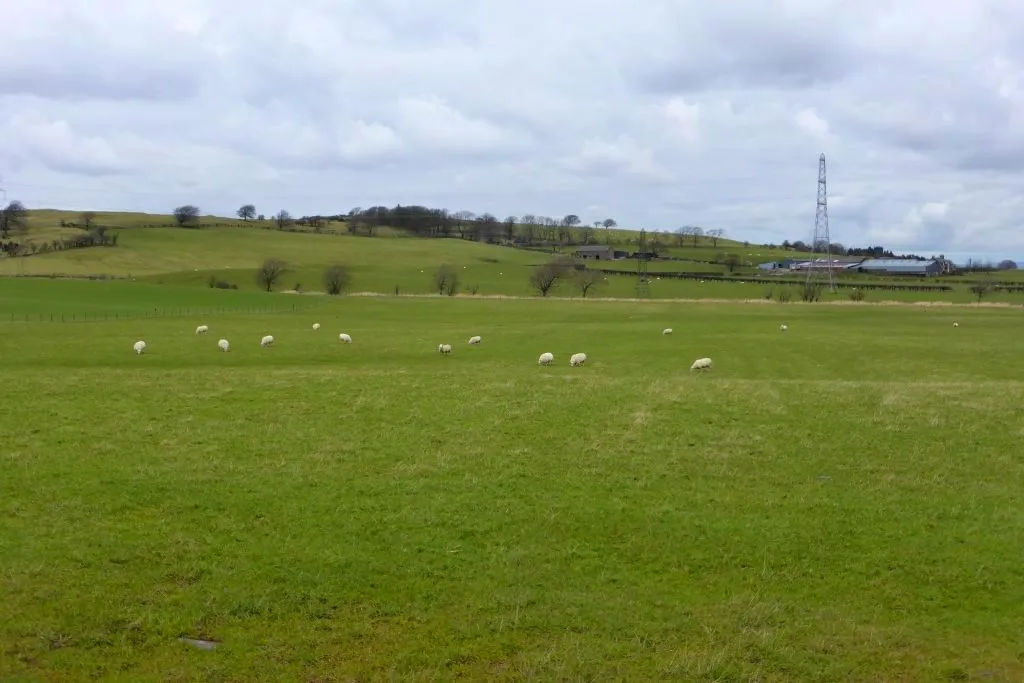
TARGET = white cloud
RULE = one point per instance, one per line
(686, 113)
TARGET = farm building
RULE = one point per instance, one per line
(899, 266)
(818, 264)
(776, 265)
(595, 252)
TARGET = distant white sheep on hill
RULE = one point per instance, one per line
(316, 326)
(474, 340)
(783, 327)
(267, 341)
(139, 346)
(345, 338)
(202, 329)
(223, 345)
(667, 330)
(546, 359)
(444, 349)
(956, 324)
(701, 364)
(578, 359)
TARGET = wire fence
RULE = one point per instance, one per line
(158, 312)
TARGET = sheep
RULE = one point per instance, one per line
(546, 359)
(223, 345)
(139, 347)
(783, 327)
(701, 364)
(316, 326)
(267, 341)
(444, 349)
(345, 338)
(202, 329)
(474, 340)
(577, 359)
(667, 330)
(956, 324)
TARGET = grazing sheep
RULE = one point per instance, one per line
(701, 364)
(444, 349)
(546, 359)
(139, 346)
(783, 327)
(316, 326)
(474, 340)
(223, 345)
(667, 330)
(956, 324)
(578, 359)
(345, 338)
(267, 341)
(202, 329)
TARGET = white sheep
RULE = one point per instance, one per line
(267, 341)
(783, 327)
(956, 324)
(223, 345)
(667, 330)
(316, 326)
(577, 359)
(202, 329)
(345, 338)
(139, 346)
(444, 348)
(474, 340)
(546, 359)
(701, 364)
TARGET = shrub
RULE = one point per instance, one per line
(810, 292)
(784, 295)
(857, 295)
(337, 279)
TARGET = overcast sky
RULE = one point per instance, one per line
(658, 113)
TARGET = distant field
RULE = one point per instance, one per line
(836, 502)
(229, 251)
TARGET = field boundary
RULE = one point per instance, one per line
(159, 312)
(653, 300)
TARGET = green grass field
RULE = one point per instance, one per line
(840, 501)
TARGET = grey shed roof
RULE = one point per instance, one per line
(592, 247)
(895, 264)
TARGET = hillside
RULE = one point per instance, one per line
(152, 248)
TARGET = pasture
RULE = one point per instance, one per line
(230, 251)
(839, 501)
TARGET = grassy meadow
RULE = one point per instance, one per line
(840, 501)
(230, 250)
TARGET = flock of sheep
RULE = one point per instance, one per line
(547, 358)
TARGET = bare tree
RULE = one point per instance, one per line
(246, 212)
(270, 272)
(695, 233)
(446, 280)
(609, 223)
(732, 262)
(1007, 264)
(715, 235)
(13, 219)
(981, 290)
(86, 220)
(586, 279)
(544, 277)
(187, 215)
(510, 227)
(681, 235)
(283, 219)
(337, 279)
